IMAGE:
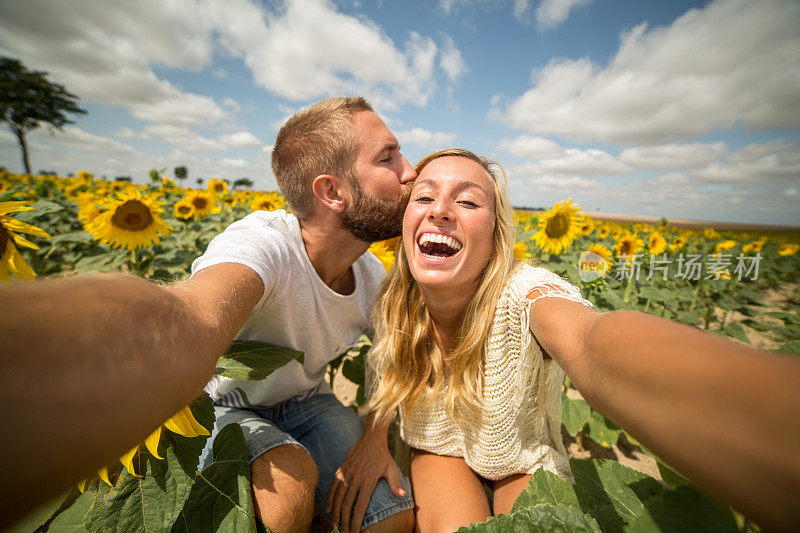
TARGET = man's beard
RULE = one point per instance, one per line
(372, 219)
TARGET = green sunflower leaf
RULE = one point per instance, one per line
(154, 501)
(72, 520)
(684, 508)
(574, 414)
(252, 360)
(612, 493)
(602, 430)
(220, 499)
(541, 518)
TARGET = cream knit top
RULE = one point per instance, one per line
(521, 426)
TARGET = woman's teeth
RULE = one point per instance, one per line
(438, 245)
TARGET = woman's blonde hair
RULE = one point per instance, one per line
(406, 363)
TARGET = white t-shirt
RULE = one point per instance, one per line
(296, 311)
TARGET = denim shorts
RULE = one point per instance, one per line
(322, 426)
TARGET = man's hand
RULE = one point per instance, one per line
(366, 462)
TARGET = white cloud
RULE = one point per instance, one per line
(529, 146)
(308, 50)
(103, 52)
(241, 139)
(185, 138)
(735, 61)
(775, 162)
(575, 161)
(552, 13)
(426, 139)
(127, 133)
(451, 61)
(672, 156)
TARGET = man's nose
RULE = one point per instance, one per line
(408, 172)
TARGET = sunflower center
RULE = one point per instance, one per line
(133, 215)
(557, 226)
(184, 209)
(219, 187)
(199, 202)
(626, 248)
(4, 238)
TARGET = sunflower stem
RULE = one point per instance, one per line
(136, 262)
(647, 305)
(628, 289)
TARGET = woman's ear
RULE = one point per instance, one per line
(329, 191)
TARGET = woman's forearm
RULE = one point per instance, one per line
(91, 365)
(723, 413)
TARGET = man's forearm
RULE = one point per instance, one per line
(723, 413)
(91, 366)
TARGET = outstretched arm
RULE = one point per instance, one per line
(722, 413)
(92, 364)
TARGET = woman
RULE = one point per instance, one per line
(472, 362)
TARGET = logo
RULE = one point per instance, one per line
(592, 266)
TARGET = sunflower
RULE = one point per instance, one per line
(131, 222)
(602, 251)
(723, 246)
(181, 423)
(119, 186)
(229, 200)
(711, 233)
(755, 246)
(89, 207)
(521, 252)
(603, 232)
(656, 243)
(629, 244)
(183, 209)
(10, 258)
(587, 226)
(384, 250)
(677, 243)
(217, 187)
(558, 227)
(4, 186)
(204, 203)
(267, 202)
(787, 249)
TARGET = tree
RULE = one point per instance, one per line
(243, 182)
(28, 99)
(181, 172)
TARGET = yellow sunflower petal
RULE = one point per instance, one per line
(184, 423)
(127, 460)
(22, 241)
(103, 473)
(152, 442)
(17, 264)
(22, 227)
(11, 207)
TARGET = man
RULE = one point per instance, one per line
(117, 355)
(341, 172)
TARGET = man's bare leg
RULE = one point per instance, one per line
(284, 480)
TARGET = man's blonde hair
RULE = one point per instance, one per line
(405, 361)
(317, 140)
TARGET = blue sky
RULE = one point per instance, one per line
(683, 109)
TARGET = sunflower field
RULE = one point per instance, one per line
(734, 284)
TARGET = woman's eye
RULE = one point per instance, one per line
(468, 203)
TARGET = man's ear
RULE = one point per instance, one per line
(330, 191)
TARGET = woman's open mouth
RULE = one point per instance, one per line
(438, 245)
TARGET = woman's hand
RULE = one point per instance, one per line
(366, 462)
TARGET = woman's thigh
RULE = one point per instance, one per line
(506, 491)
(447, 493)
